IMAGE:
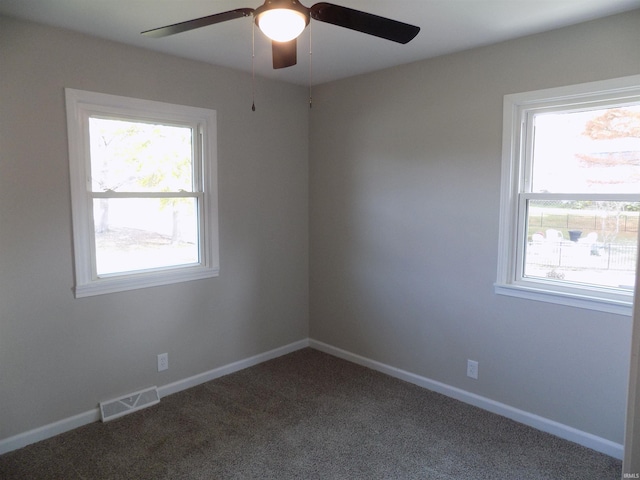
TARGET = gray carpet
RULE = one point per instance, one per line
(308, 415)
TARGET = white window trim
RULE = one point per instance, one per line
(80, 105)
(515, 108)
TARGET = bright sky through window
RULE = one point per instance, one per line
(593, 151)
(133, 233)
(577, 239)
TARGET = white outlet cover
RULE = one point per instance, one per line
(163, 362)
(472, 369)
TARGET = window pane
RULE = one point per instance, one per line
(594, 151)
(592, 243)
(139, 233)
(131, 156)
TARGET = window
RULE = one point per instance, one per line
(570, 199)
(143, 192)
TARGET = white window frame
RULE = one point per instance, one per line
(517, 110)
(81, 105)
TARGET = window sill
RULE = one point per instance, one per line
(615, 306)
(143, 280)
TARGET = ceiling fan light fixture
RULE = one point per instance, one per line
(282, 24)
(282, 21)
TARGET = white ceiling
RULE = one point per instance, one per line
(446, 26)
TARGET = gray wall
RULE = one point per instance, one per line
(60, 356)
(403, 200)
(404, 205)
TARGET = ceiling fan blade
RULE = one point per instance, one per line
(364, 22)
(198, 22)
(285, 54)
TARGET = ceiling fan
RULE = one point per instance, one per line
(284, 20)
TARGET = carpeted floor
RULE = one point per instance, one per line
(308, 415)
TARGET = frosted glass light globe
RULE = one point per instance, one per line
(281, 24)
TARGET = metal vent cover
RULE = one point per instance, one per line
(117, 407)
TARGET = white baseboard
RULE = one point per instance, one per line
(566, 432)
(230, 368)
(51, 430)
(550, 426)
(48, 431)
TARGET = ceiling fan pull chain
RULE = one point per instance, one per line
(310, 69)
(253, 67)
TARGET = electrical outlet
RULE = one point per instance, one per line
(472, 369)
(163, 362)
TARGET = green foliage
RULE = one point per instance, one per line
(140, 157)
